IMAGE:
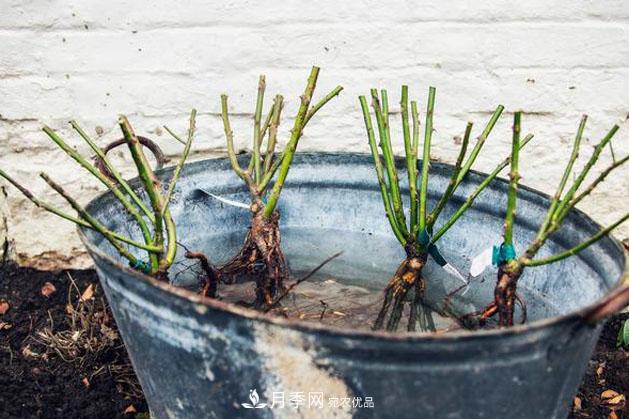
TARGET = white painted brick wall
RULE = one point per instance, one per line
(154, 61)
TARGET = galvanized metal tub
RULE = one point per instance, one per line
(197, 357)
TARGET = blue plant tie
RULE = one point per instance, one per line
(140, 265)
(503, 253)
(434, 252)
(424, 239)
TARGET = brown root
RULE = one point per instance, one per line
(407, 277)
(209, 278)
(262, 257)
(505, 298)
(287, 290)
(420, 312)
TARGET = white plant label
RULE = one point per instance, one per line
(481, 261)
(225, 200)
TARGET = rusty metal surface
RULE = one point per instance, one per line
(200, 358)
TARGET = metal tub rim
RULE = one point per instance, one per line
(190, 297)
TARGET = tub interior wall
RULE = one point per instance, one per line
(331, 202)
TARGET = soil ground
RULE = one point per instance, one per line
(52, 368)
(61, 355)
(607, 370)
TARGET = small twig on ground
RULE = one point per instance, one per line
(325, 307)
(300, 280)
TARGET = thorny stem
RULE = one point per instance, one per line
(274, 124)
(509, 272)
(598, 180)
(415, 145)
(513, 180)
(322, 102)
(564, 206)
(576, 249)
(146, 233)
(566, 174)
(96, 225)
(434, 214)
(465, 168)
(479, 143)
(78, 221)
(569, 201)
(151, 186)
(160, 259)
(112, 169)
(263, 172)
(382, 119)
(268, 175)
(411, 159)
(292, 143)
(423, 190)
(256, 130)
(380, 172)
(415, 150)
(229, 135)
(171, 249)
(263, 131)
(171, 228)
(175, 136)
(272, 167)
(262, 246)
(102, 178)
(182, 160)
(470, 199)
(267, 123)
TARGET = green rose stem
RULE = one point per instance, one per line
(513, 180)
(453, 177)
(182, 160)
(128, 205)
(510, 266)
(481, 186)
(96, 225)
(411, 156)
(151, 221)
(382, 118)
(256, 129)
(273, 127)
(29, 195)
(262, 244)
(423, 190)
(112, 169)
(416, 236)
(296, 133)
